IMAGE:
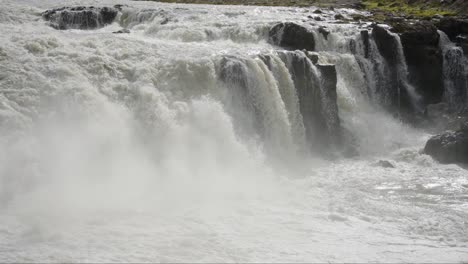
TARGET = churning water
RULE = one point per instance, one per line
(189, 140)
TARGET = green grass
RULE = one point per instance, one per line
(418, 10)
(299, 3)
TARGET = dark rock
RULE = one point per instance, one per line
(329, 95)
(385, 43)
(292, 36)
(391, 87)
(122, 31)
(316, 90)
(449, 147)
(317, 18)
(80, 17)
(313, 56)
(423, 56)
(318, 11)
(359, 6)
(339, 16)
(384, 164)
(453, 26)
(165, 21)
(394, 19)
(120, 7)
(358, 17)
(365, 40)
(324, 31)
(462, 41)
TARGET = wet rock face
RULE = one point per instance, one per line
(365, 40)
(292, 36)
(456, 30)
(80, 17)
(453, 27)
(450, 147)
(423, 56)
(316, 89)
(329, 96)
(385, 43)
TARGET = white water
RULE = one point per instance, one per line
(455, 72)
(130, 148)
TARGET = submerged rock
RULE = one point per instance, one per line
(292, 36)
(122, 31)
(449, 147)
(324, 31)
(80, 17)
(384, 164)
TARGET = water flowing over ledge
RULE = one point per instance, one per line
(213, 134)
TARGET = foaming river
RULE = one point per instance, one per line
(185, 141)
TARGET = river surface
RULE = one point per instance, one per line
(128, 148)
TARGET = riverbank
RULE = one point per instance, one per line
(415, 8)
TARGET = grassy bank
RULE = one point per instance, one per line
(418, 9)
(380, 8)
(299, 3)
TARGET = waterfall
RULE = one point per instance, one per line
(455, 73)
(219, 134)
(402, 77)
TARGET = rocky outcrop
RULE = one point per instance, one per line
(328, 77)
(457, 30)
(397, 98)
(385, 43)
(365, 41)
(80, 17)
(316, 90)
(292, 36)
(383, 164)
(450, 147)
(423, 56)
(453, 26)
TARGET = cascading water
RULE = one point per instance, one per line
(192, 138)
(455, 73)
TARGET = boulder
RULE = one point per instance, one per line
(339, 16)
(80, 17)
(424, 59)
(292, 36)
(324, 31)
(449, 147)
